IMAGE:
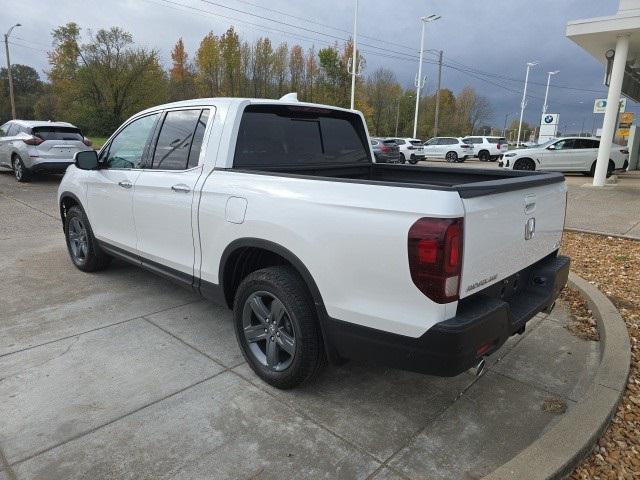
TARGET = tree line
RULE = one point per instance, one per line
(98, 80)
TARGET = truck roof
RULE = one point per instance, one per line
(288, 99)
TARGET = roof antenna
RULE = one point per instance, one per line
(290, 97)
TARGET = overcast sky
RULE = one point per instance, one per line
(493, 37)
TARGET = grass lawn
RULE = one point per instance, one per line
(97, 142)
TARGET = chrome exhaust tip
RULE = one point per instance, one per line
(479, 368)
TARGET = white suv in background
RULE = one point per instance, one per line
(411, 150)
(488, 148)
(569, 154)
(452, 149)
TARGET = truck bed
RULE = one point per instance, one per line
(468, 182)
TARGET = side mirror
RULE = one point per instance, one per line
(86, 160)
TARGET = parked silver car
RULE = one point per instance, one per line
(28, 146)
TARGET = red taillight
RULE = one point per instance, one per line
(435, 257)
(384, 148)
(86, 141)
(33, 140)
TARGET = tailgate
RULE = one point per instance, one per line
(508, 231)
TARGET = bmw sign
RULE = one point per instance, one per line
(548, 119)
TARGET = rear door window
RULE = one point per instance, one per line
(175, 138)
(279, 135)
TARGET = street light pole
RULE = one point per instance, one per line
(354, 66)
(6, 46)
(524, 99)
(546, 95)
(419, 80)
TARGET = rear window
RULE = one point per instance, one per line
(416, 143)
(58, 133)
(280, 135)
(390, 142)
(497, 140)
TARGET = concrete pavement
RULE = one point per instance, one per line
(121, 374)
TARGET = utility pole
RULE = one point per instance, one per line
(419, 79)
(437, 115)
(398, 115)
(11, 96)
(354, 57)
(504, 130)
(524, 99)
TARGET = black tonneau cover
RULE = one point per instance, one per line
(468, 182)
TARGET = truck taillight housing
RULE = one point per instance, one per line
(435, 257)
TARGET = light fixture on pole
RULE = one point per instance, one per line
(524, 99)
(546, 95)
(6, 46)
(354, 64)
(419, 78)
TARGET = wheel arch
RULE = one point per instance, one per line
(68, 200)
(246, 255)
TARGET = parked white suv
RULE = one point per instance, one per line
(277, 210)
(28, 146)
(452, 149)
(488, 148)
(411, 150)
(568, 154)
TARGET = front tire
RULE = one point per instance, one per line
(524, 164)
(277, 327)
(83, 247)
(20, 171)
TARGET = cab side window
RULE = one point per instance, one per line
(180, 140)
(127, 149)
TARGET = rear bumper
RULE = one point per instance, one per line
(50, 166)
(486, 319)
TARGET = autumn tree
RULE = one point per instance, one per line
(181, 74)
(209, 66)
(231, 62)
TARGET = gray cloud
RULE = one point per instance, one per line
(488, 35)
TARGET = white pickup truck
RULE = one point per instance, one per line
(278, 210)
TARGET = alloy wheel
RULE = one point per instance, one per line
(268, 331)
(78, 239)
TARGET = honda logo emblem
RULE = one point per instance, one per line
(530, 228)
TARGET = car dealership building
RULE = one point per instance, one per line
(615, 41)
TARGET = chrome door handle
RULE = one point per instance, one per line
(125, 184)
(182, 188)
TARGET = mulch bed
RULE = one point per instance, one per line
(612, 265)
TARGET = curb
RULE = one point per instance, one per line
(604, 234)
(559, 450)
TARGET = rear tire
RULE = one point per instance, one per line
(610, 168)
(84, 250)
(277, 327)
(413, 161)
(403, 159)
(484, 156)
(524, 164)
(20, 171)
(451, 157)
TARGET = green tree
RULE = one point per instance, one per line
(209, 66)
(27, 87)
